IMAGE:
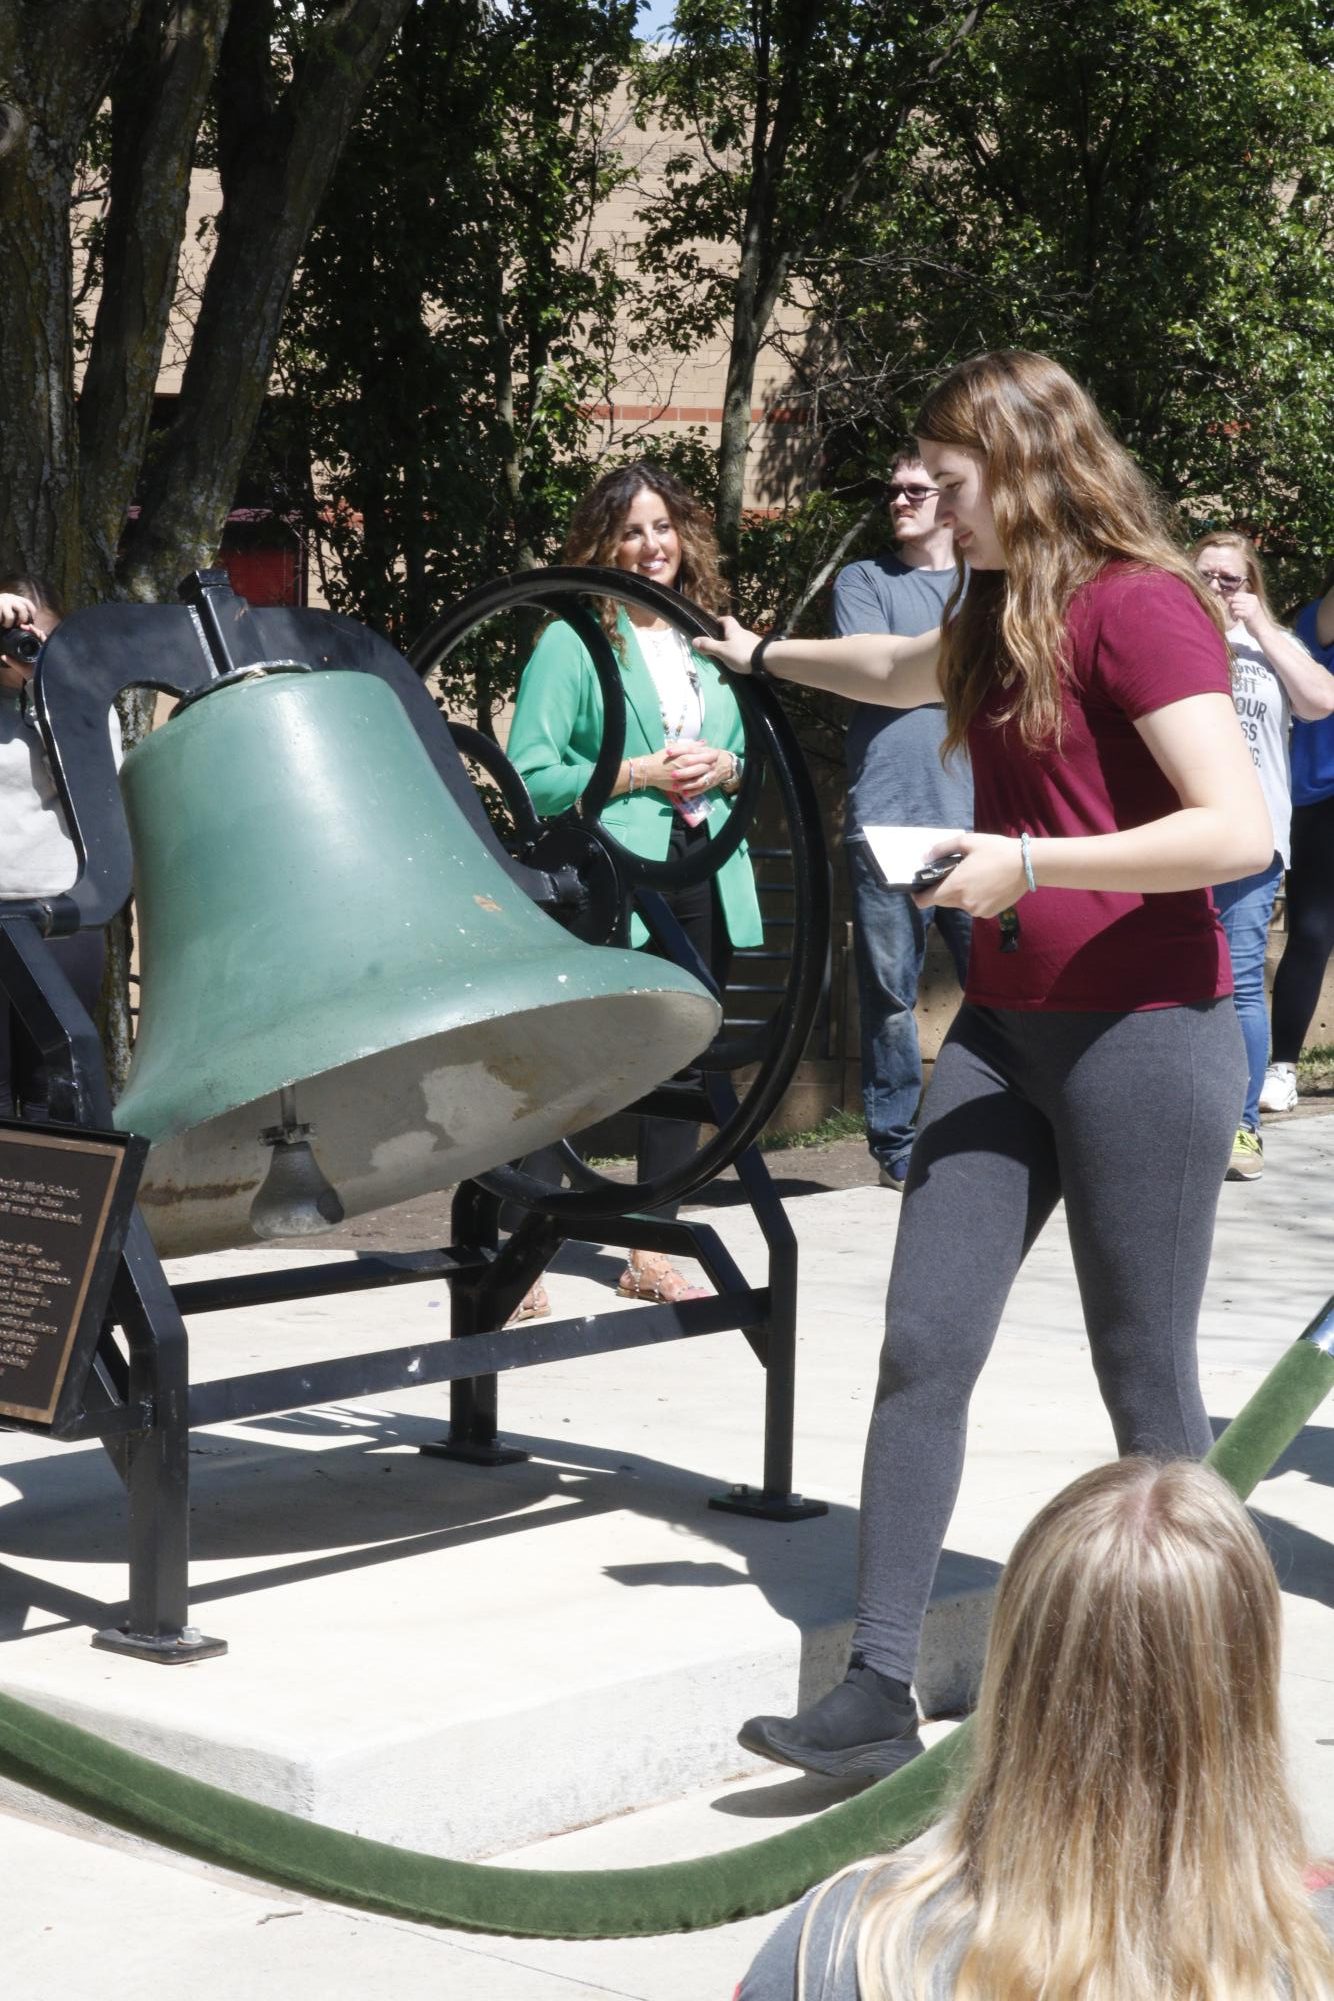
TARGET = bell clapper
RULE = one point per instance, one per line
(295, 1200)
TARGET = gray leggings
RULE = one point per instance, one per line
(1130, 1118)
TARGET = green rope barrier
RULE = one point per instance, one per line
(1292, 1392)
(83, 1770)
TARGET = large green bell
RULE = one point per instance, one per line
(326, 944)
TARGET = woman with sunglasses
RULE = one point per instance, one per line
(1096, 1057)
(1273, 679)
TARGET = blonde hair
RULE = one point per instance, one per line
(1126, 1832)
(1067, 500)
(1229, 538)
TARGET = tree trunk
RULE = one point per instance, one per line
(757, 294)
(56, 65)
(765, 261)
(158, 100)
(768, 246)
(275, 163)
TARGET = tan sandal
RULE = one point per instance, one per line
(533, 1306)
(659, 1281)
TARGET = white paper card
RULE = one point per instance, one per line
(900, 852)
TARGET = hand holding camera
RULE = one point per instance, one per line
(20, 642)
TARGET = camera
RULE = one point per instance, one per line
(19, 643)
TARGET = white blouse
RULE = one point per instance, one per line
(669, 660)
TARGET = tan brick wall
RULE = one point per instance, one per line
(646, 395)
(650, 395)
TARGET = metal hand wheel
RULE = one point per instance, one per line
(614, 874)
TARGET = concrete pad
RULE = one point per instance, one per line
(455, 1658)
(466, 1660)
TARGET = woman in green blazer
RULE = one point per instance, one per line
(682, 753)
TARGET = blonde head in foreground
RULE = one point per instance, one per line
(1126, 1832)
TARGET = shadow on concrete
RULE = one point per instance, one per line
(306, 1485)
(729, 1194)
(1311, 1453)
(708, 1575)
(803, 1792)
(1304, 1562)
(338, 1491)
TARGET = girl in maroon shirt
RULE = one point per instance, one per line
(1096, 1058)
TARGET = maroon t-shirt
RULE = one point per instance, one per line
(1138, 641)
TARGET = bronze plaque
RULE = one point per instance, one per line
(65, 1198)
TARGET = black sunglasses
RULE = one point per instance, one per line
(916, 494)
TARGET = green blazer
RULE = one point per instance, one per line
(556, 734)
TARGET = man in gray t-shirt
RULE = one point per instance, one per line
(896, 778)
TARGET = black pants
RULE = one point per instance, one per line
(24, 1080)
(1310, 901)
(663, 1144)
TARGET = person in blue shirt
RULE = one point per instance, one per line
(1310, 880)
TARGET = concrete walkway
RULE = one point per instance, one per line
(467, 1661)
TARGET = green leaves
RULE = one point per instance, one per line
(458, 311)
(1145, 191)
(1144, 188)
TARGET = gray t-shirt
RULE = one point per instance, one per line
(831, 1960)
(895, 776)
(1265, 715)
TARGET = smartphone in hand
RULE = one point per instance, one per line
(936, 871)
(902, 856)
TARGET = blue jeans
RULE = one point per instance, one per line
(889, 944)
(1245, 908)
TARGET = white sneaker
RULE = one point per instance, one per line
(1278, 1093)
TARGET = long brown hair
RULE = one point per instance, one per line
(1067, 500)
(1231, 538)
(1126, 1830)
(598, 523)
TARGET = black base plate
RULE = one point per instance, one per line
(474, 1455)
(767, 1507)
(170, 1649)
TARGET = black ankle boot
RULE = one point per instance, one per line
(863, 1729)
